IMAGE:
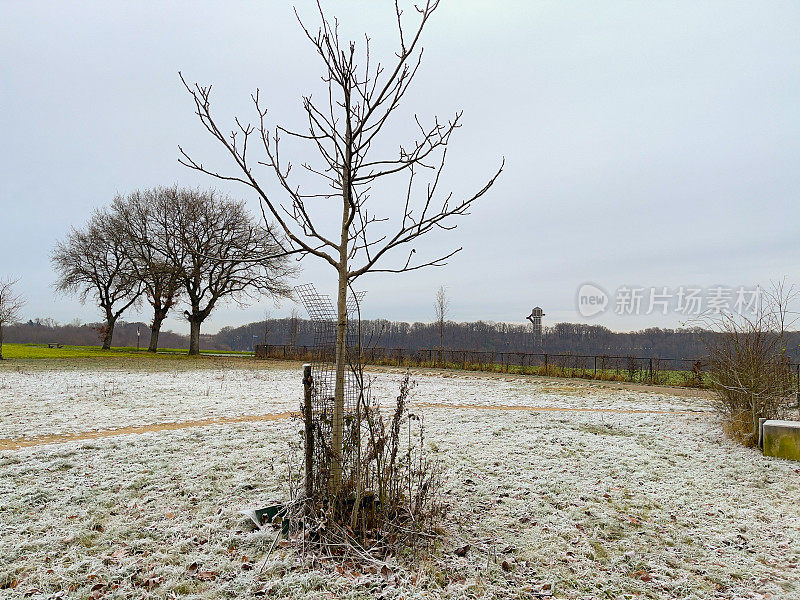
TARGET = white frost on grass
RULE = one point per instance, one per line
(48, 402)
(649, 506)
(600, 505)
(511, 390)
(51, 402)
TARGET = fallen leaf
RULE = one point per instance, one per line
(118, 554)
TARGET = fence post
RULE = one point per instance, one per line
(651, 369)
(595, 366)
(309, 426)
(545, 364)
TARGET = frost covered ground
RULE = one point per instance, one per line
(38, 402)
(592, 504)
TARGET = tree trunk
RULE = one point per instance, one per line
(1, 341)
(108, 332)
(441, 342)
(341, 363)
(194, 337)
(341, 310)
(155, 329)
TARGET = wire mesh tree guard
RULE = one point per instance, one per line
(323, 374)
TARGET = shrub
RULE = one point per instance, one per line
(750, 372)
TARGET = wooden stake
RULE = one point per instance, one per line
(309, 425)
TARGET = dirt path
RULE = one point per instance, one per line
(28, 442)
(667, 390)
(627, 411)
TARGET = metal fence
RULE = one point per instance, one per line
(652, 370)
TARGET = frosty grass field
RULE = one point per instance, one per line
(638, 496)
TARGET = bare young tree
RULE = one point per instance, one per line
(94, 261)
(222, 254)
(10, 305)
(146, 220)
(294, 322)
(345, 132)
(442, 309)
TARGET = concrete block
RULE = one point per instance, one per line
(782, 439)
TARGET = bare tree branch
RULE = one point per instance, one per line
(11, 304)
(94, 261)
(361, 100)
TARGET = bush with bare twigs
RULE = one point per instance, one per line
(750, 371)
(390, 499)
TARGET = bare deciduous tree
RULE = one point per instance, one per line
(94, 261)
(10, 304)
(146, 220)
(442, 309)
(221, 254)
(294, 323)
(345, 133)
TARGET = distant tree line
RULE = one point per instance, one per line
(170, 246)
(574, 338)
(45, 331)
(561, 338)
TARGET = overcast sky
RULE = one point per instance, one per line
(647, 144)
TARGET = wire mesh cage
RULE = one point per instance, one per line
(323, 372)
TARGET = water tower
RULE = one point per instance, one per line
(536, 320)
